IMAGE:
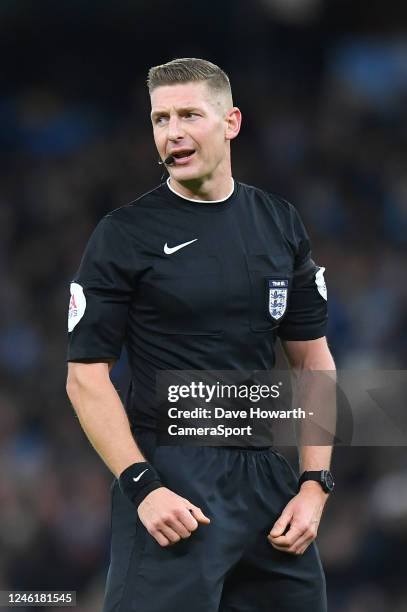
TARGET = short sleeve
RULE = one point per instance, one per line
(101, 292)
(307, 314)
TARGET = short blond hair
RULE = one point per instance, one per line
(187, 70)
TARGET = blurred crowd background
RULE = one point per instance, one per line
(322, 86)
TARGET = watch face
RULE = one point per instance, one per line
(328, 480)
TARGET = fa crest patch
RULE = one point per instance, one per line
(277, 297)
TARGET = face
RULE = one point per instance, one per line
(194, 125)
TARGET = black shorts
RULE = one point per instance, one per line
(227, 566)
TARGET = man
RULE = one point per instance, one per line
(186, 276)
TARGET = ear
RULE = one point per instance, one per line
(233, 121)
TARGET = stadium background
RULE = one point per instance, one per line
(323, 91)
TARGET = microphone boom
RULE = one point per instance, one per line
(167, 161)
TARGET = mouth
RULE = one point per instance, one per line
(183, 157)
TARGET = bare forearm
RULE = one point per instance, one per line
(103, 419)
(316, 436)
(315, 458)
(315, 391)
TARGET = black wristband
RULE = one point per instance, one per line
(138, 480)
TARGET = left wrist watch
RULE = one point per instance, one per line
(323, 477)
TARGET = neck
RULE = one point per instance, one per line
(213, 186)
(203, 189)
(200, 200)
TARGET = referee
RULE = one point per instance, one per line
(201, 273)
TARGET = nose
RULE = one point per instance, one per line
(174, 128)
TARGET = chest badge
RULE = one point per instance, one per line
(277, 297)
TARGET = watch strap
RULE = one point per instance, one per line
(319, 476)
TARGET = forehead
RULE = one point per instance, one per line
(181, 95)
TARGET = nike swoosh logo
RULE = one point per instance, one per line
(140, 475)
(169, 250)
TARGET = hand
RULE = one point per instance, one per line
(302, 514)
(169, 517)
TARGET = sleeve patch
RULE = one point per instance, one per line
(320, 283)
(77, 306)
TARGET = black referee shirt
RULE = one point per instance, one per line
(194, 285)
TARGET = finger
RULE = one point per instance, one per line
(283, 547)
(281, 523)
(199, 515)
(187, 519)
(160, 538)
(301, 551)
(297, 550)
(179, 528)
(303, 542)
(298, 547)
(289, 539)
(170, 534)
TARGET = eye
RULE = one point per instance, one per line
(160, 120)
(190, 115)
